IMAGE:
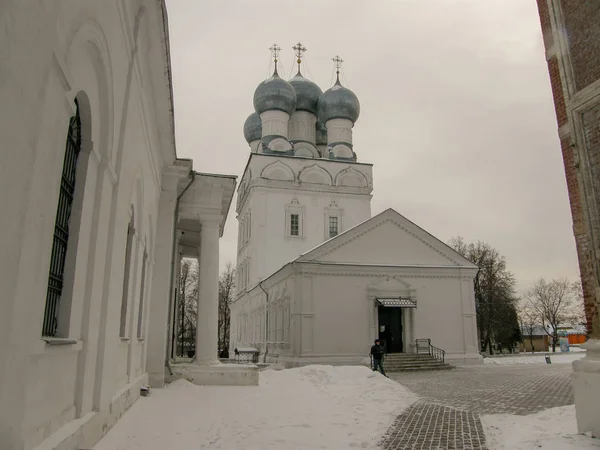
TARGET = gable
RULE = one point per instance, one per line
(387, 239)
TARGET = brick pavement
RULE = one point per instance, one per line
(447, 416)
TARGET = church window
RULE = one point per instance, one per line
(333, 226)
(125, 293)
(61, 227)
(140, 324)
(295, 224)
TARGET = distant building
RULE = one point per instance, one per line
(536, 340)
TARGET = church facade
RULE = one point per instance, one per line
(318, 278)
(96, 208)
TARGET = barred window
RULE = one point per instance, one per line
(333, 226)
(61, 226)
(294, 224)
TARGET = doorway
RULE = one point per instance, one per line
(390, 328)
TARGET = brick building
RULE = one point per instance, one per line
(571, 32)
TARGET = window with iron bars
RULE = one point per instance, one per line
(61, 226)
(295, 224)
(333, 226)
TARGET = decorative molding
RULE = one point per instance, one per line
(311, 173)
(350, 173)
(270, 172)
(333, 245)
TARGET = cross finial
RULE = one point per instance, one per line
(299, 50)
(275, 54)
(337, 62)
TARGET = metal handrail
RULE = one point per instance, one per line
(424, 346)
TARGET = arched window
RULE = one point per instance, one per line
(126, 275)
(140, 324)
(61, 226)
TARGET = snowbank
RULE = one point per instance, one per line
(556, 358)
(552, 429)
(314, 407)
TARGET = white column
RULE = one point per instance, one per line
(158, 307)
(208, 294)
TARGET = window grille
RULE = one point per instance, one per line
(295, 224)
(333, 226)
(61, 226)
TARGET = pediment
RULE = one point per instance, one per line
(387, 239)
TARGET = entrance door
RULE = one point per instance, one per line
(390, 328)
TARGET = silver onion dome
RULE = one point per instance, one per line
(338, 102)
(275, 94)
(253, 128)
(307, 94)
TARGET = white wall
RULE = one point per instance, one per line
(56, 52)
(312, 188)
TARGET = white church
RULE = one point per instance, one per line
(318, 277)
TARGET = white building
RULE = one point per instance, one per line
(319, 278)
(92, 197)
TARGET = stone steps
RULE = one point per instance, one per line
(402, 362)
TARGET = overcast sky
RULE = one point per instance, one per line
(456, 110)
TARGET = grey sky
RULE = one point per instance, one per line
(456, 109)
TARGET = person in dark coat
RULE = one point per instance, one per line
(377, 355)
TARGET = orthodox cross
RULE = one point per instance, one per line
(299, 50)
(337, 62)
(275, 53)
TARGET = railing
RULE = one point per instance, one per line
(423, 346)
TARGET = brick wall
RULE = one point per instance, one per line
(581, 30)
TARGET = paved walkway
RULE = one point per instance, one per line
(447, 416)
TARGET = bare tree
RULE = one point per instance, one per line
(528, 319)
(226, 291)
(495, 298)
(556, 304)
(188, 306)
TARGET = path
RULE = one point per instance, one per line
(447, 416)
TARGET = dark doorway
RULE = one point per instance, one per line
(390, 328)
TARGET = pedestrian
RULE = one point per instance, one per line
(377, 355)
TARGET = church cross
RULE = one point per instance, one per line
(337, 61)
(299, 50)
(275, 54)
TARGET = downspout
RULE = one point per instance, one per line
(172, 281)
(266, 321)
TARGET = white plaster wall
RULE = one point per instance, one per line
(54, 53)
(276, 183)
(340, 302)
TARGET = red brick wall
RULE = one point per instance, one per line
(582, 28)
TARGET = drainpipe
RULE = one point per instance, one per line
(266, 322)
(172, 281)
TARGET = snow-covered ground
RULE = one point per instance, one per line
(536, 358)
(315, 407)
(552, 429)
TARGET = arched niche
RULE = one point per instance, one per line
(351, 177)
(278, 171)
(316, 175)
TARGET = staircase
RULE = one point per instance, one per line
(426, 357)
(412, 362)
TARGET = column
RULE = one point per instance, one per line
(411, 326)
(208, 294)
(158, 307)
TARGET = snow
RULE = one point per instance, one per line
(536, 358)
(314, 407)
(552, 429)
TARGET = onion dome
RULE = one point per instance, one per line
(338, 103)
(253, 128)
(307, 94)
(275, 94)
(321, 133)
